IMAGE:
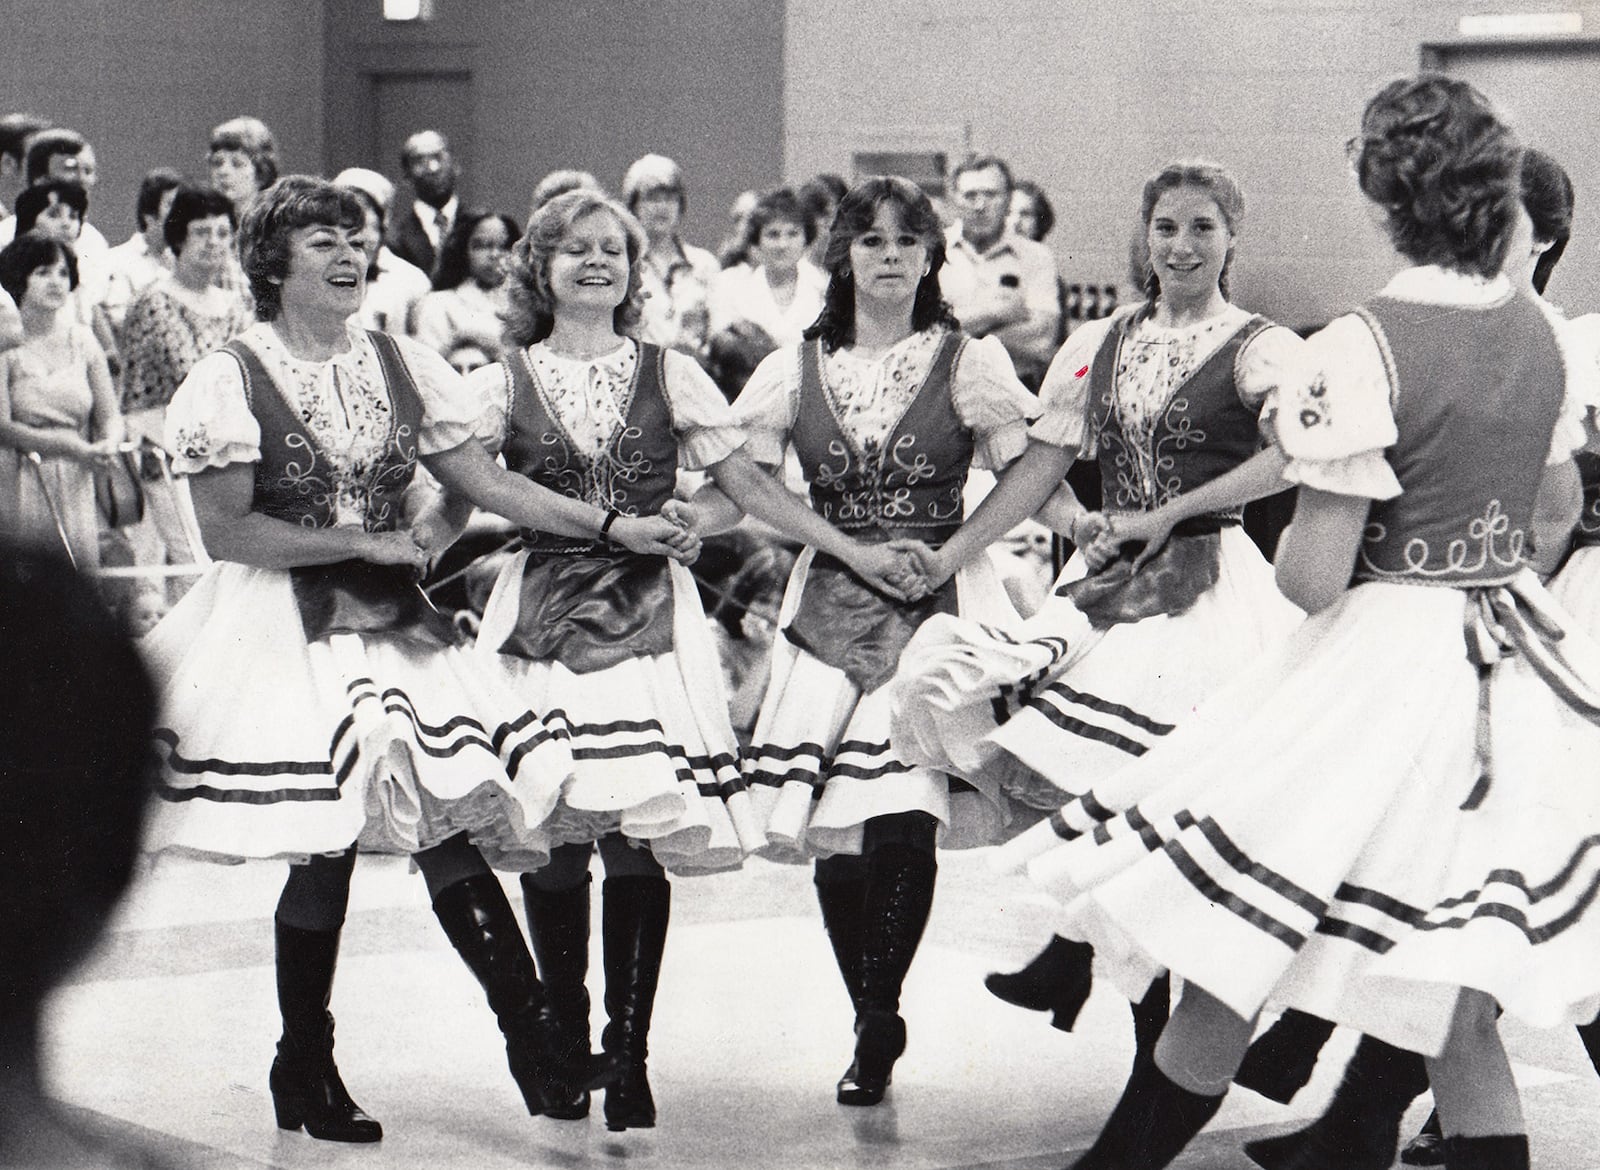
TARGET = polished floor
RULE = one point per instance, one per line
(167, 1033)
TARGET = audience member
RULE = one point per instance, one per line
(242, 160)
(15, 130)
(820, 196)
(62, 156)
(394, 286)
(431, 170)
(997, 282)
(142, 259)
(469, 297)
(676, 277)
(559, 183)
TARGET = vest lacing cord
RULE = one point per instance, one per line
(1517, 618)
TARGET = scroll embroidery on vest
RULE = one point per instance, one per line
(1202, 432)
(294, 479)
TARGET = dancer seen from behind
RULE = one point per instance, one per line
(1359, 1129)
(603, 623)
(1332, 832)
(1166, 598)
(887, 405)
(313, 701)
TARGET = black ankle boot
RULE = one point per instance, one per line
(1360, 1128)
(843, 903)
(1151, 1124)
(633, 928)
(899, 895)
(558, 924)
(305, 1084)
(1280, 1062)
(480, 924)
(1427, 1148)
(1057, 981)
(1500, 1152)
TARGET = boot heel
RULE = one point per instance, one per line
(290, 1111)
(880, 1040)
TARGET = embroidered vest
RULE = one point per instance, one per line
(913, 481)
(1476, 394)
(1588, 530)
(635, 473)
(1204, 430)
(293, 481)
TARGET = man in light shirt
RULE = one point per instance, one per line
(67, 155)
(393, 286)
(431, 170)
(996, 281)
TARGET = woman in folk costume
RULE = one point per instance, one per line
(313, 701)
(1360, 1127)
(887, 405)
(1387, 821)
(1166, 396)
(604, 628)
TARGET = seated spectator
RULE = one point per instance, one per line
(143, 258)
(469, 297)
(394, 286)
(75, 770)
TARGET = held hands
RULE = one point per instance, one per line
(657, 536)
(394, 548)
(1151, 528)
(929, 567)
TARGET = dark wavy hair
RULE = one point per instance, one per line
(1043, 210)
(1205, 176)
(1548, 198)
(294, 201)
(1435, 156)
(190, 204)
(32, 201)
(455, 265)
(532, 312)
(836, 324)
(780, 206)
(28, 253)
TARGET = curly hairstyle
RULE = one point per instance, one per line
(1548, 197)
(1044, 212)
(532, 312)
(192, 203)
(858, 210)
(455, 264)
(780, 206)
(1435, 156)
(1206, 176)
(294, 201)
(28, 253)
(33, 201)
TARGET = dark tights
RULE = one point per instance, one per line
(317, 893)
(568, 866)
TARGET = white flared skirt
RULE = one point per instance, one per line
(1328, 833)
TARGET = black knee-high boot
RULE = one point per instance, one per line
(843, 901)
(305, 1084)
(1150, 1017)
(1360, 1128)
(899, 895)
(1280, 1062)
(1500, 1152)
(633, 929)
(1151, 1124)
(558, 924)
(480, 924)
(1057, 980)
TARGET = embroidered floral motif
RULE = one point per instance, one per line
(193, 442)
(1313, 405)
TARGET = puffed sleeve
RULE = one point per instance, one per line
(991, 403)
(767, 406)
(1064, 394)
(1269, 359)
(1579, 341)
(490, 387)
(454, 409)
(707, 430)
(209, 423)
(1332, 416)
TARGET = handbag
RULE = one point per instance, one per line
(117, 491)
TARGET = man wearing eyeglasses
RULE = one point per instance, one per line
(996, 281)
